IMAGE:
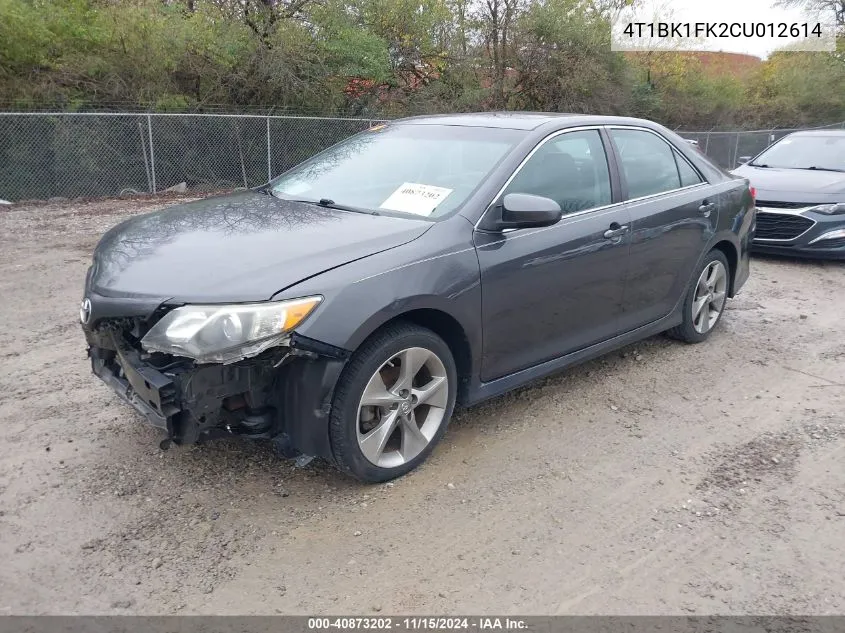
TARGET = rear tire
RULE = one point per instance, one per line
(706, 298)
(392, 403)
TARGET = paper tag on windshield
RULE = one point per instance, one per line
(413, 197)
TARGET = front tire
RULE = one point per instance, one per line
(392, 403)
(705, 300)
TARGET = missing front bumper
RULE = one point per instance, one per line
(192, 403)
(285, 395)
(132, 388)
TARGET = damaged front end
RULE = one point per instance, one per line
(284, 393)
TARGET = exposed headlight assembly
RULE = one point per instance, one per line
(225, 333)
(837, 208)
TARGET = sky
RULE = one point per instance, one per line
(731, 11)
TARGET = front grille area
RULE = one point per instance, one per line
(130, 329)
(127, 330)
(780, 226)
(126, 333)
(773, 204)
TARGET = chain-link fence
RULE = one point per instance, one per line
(730, 149)
(46, 155)
(104, 155)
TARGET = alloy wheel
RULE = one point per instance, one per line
(710, 296)
(402, 407)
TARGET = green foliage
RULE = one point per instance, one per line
(386, 57)
(565, 63)
(351, 51)
(679, 90)
(798, 89)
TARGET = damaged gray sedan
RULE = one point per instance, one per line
(343, 309)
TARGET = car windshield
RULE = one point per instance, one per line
(824, 152)
(425, 170)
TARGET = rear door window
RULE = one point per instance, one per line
(689, 176)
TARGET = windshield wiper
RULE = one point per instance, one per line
(331, 204)
(815, 168)
(758, 165)
(326, 203)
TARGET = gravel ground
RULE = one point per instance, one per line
(661, 479)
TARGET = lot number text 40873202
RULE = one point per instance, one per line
(417, 623)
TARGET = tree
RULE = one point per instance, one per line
(798, 88)
(387, 58)
(497, 18)
(829, 7)
(564, 62)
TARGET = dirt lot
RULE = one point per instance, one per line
(663, 479)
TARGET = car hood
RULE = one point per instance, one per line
(241, 247)
(795, 185)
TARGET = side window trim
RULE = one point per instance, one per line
(615, 179)
(675, 150)
(618, 185)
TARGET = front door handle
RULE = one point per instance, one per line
(615, 231)
(706, 208)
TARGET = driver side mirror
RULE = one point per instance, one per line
(522, 210)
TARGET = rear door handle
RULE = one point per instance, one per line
(615, 231)
(706, 208)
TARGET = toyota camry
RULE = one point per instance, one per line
(347, 307)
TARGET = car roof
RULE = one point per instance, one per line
(818, 133)
(519, 120)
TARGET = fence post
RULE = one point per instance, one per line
(736, 152)
(144, 152)
(152, 154)
(269, 166)
(707, 142)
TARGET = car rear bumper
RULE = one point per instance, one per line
(285, 396)
(799, 234)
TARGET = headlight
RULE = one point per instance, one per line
(223, 333)
(837, 208)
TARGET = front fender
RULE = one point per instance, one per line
(439, 271)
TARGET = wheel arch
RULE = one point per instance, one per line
(447, 327)
(730, 251)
